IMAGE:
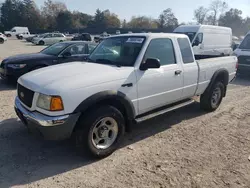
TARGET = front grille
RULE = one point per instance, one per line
(244, 60)
(25, 95)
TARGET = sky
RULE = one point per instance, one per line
(125, 9)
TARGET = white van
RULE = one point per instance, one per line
(17, 30)
(208, 40)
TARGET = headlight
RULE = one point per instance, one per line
(50, 103)
(16, 66)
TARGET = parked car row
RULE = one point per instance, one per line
(97, 99)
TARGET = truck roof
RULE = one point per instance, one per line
(195, 28)
(152, 35)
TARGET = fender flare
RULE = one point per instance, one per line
(107, 95)
(218, 73)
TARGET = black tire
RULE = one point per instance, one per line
(8, 35)
(1, 41)
(60, 41)
(21, 37)
(41, 43)
(84, 132)
(212, 99)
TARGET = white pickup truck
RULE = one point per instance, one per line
(128, 78)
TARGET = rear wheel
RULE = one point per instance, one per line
(1, 41)
(211, 100)
(100, 132)
(8, 35)
(21, 37)
(41, 43)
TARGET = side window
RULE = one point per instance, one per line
(199, 37)
(13, 30)
(58, 35)
(161, 49)
(186, 51)
(48, 36)
(77, 49)
(91, 48)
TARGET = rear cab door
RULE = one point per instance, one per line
(161, 86)
(190, 68)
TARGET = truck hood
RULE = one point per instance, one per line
(51, 80)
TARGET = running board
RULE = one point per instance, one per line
(158, 113)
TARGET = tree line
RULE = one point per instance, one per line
(219, 13)
(54, 15)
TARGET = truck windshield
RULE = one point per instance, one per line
(118, 51)
(190, 35)
(245, 43)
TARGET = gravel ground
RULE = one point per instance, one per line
(184, 148)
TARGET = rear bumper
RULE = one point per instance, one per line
(47, 127)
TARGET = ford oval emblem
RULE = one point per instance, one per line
(22, 94)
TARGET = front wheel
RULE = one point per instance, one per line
(212, 99)
(1, 41)
(41, 43)
(100, 132)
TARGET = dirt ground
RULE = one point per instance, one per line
(184, 148)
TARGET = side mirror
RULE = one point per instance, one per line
(66, 54)
(196, 43)
(150, 63)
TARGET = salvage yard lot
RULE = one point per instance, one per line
(184, 148)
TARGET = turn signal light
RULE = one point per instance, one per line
(56, 104)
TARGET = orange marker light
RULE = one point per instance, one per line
(56, 104)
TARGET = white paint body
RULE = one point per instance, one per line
(152, 88)
(17, 30)
(216, 41)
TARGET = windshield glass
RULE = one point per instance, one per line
(119, 51)
(245, 43)
(55, 49)
(190, 35)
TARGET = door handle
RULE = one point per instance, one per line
(178, 72)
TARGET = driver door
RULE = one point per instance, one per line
(164, 85)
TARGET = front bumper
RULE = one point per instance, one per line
(49, 128)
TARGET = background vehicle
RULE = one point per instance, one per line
(16, 30)
(243, 54)
(3, 38)
(97, 101)
(50, 38)
(207, 40)
(64, 52)
(31, 37)
(24, 36)
(82, 37)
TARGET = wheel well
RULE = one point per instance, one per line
(111, 102)
(223, 77)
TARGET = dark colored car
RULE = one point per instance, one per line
(82, 37)
(15, 66)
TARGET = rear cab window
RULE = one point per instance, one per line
(186, 51)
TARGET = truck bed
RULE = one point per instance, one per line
(207, 68)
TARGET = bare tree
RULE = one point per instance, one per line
(217, 7)
(167, 18)
(200, 14)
